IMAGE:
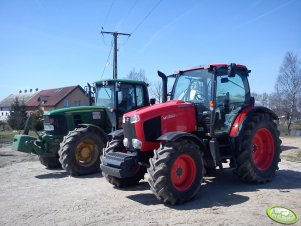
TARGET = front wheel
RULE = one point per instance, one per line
(175, 171)
(258, 158)
(80, 151)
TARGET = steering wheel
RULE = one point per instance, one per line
(199, 96)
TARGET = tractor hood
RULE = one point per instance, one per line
(149, 123)
(167, 110)
(74, 110)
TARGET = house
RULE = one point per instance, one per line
(5, 104)
(50, 99)
(47, 100)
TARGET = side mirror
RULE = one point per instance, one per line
(152, 101)
(232, 70)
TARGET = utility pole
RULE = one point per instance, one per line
(115, 35)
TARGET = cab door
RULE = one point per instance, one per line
(232, 95)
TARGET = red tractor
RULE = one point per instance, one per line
(210, 119)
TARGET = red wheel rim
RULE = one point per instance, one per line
(183, 172)
(263, 149)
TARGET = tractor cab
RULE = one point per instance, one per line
(119, 97)
(218, 92)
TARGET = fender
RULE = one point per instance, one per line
(98, 129)
(242, 117)
(173, 136)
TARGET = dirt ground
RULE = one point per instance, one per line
(33, 195)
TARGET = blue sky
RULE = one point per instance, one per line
(50, 44)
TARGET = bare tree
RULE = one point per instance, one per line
(288, 86)
(156, 91)
(137, 75)
(264, 99)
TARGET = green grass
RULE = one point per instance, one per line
(7, 136)
(283, 128)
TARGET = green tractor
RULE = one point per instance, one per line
(73, 138)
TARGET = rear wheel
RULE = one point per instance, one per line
(50, 162)
(80, 151)
(260, 150)
(115, 146)
(175, 171)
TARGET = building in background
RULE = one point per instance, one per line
(50, 99)
(47, 100)
(5, 104)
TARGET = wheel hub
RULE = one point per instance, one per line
(85, 152)
(179, 172)
(254, 148)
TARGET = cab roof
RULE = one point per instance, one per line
(122, 81)
(212, 65)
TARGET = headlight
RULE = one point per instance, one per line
(136, 143)
(126, 142)
(48, 127)
(123, 119)
(134, 119)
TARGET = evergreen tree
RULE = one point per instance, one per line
(18, 116)
(37, 122)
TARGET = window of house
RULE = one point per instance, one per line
(66, 103)
(77, 103)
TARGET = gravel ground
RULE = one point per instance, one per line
(33, 195)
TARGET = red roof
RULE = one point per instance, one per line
(50, 97)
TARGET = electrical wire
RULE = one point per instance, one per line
(107, 61)
(105, 21)
(108, 13)
(147, 15)
(128, 13)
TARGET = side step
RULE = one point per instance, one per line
(119, 164)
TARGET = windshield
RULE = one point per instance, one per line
(194, 86)
(105, 96)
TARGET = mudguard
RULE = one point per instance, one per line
(173, 136)
(243, 116)
(98, 129)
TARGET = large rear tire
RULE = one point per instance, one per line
(115, 146)
(50, 162)
(176, 171)
(260, 150)
(80, 151)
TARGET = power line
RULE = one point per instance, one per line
(107, 61)
(108, 13)
(127, 15)
(147, 15)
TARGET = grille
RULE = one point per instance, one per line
(129, 131)
(152, 129)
